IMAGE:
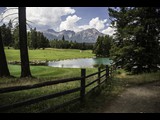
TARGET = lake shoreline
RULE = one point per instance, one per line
(43, 62)
(47, 62)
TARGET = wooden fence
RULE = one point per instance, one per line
(82, 90)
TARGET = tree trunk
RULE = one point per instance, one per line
(25, 68)
(4, 71)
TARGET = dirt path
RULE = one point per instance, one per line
(139, 99)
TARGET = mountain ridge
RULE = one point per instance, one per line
(89, 35)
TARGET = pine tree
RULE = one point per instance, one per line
(63, 38)
(9, 33)
(16, 38)
(34, 39)
(6, 34)
(102, 46)
(135, 45)
(107, 45)
(98, 49)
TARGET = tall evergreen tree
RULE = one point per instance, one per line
(63, 38)
(10, 38)
(135, 44)
(102, 46)
(29, 39)
(10, 26)
(7, 35)
(16, 38)
(98, 49)
(34, 38)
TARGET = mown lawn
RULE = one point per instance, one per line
(41, 74)
(49, 54)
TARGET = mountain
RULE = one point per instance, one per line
(88, 35)
(51, 34)
(68, 34)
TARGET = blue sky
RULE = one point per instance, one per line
(87, 13)
(66, 18)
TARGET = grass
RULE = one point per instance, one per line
(42, 73)
(49, 54)
(139, 79)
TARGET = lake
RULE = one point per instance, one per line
(80, 63)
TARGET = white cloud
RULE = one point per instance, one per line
(70, 23)
(95, 23)
(45, 16)
(109, 31)
(48, 15)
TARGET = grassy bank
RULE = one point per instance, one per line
(49, 54)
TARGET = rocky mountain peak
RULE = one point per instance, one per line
(89, 35)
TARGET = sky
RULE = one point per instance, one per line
(64, 18)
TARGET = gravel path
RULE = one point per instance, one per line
(138, 99)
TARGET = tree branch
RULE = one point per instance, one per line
(9, 9)
(7, 16)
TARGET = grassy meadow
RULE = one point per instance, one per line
(49, 54)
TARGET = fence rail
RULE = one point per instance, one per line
(26, 87)
(82, 90)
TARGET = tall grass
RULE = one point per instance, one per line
(139, 79)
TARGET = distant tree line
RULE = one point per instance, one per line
(65, 44)
(35, 39)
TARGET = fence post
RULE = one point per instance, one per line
(107, 72)
(111, 71)
(82, 92)
(99, 75)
